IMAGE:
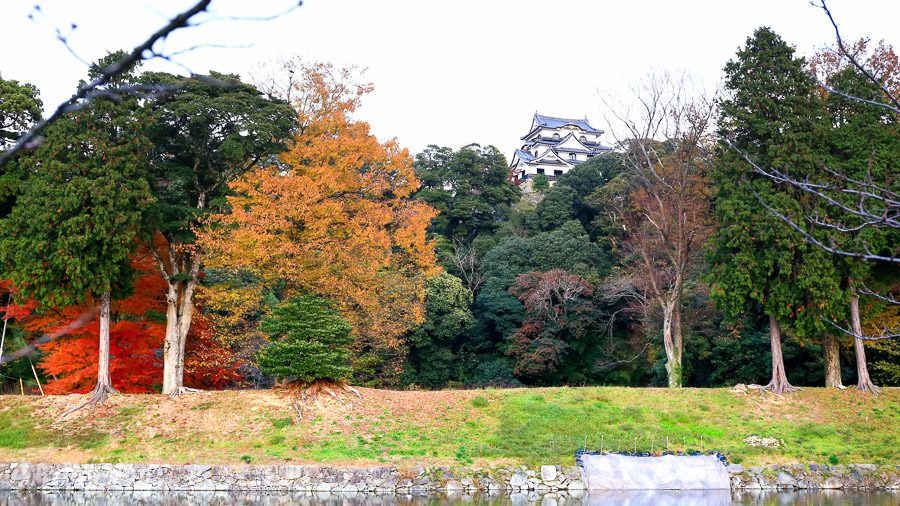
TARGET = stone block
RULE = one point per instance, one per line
(548, 473)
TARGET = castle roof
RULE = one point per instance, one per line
(554, 122)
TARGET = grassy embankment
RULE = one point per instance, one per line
(530, 426)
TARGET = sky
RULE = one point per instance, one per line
(445, 72)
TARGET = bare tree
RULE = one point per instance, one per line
(665, 214)
(465, 258)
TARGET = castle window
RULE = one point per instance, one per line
(540, 171)
(583, 138)
(555, 136)
(572, 156)
(557, 172)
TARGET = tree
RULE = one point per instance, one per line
(435, 346)
(876, 202)
(757, 262)
(208, 131)
(553, 210)
(557, 329)
(310, 342)
(569, 248)
(864, 143)
(70, 234)
(469, 188)
(20, 108)
(104, 83)
(135, 337)
(540, 182)
(665, 212)
(335, 217)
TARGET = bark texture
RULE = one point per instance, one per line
(104, 386)
(672, 341)
(864, 381)
(779, 383)
(832, 352)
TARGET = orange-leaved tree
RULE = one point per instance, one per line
(334, 217)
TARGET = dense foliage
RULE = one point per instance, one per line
(219, 233)
(310, 341)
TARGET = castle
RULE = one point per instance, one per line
(553, 146)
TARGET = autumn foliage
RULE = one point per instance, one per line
(560, 312)
(333, 217)
(136, 338)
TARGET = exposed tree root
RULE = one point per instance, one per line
(96, 398)
(186, 391)
(304, 396)
(780, 387)
(868, 387)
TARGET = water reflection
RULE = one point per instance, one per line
(638, 498)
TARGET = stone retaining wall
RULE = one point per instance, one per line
(387, 480)
(814, 476)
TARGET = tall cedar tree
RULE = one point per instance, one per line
(865, 142)
(757, 263)
(335, 218)
(208, 131)
(310, 342)
(70, 233)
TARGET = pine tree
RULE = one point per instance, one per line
(758, 264)
(310, 342)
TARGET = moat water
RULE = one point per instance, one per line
(637, 498)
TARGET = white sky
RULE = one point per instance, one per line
(445, 72)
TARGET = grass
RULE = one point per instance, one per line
(18, 430)
(529, 426)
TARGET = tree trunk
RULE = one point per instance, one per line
(863, 382)
(779, 383)
(179, 313)
(104, 381)
(672, 341)
(832, 351)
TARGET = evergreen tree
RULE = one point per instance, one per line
(864, 143)
(470, 188)
(436, 354)
(758, 264)
(207, 132)
(20, 108)
(71, 232)
(310, 341)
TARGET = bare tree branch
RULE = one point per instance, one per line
(853, 60)
(94, 89)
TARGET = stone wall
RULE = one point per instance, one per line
(561, 480)
(815, 476)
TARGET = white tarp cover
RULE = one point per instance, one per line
(669, 472)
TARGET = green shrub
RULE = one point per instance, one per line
(310, 341)
(833, 460)
(540, 182)
(281, 423)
